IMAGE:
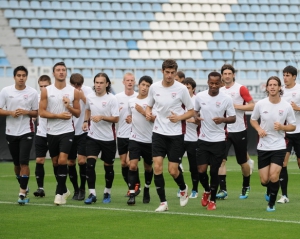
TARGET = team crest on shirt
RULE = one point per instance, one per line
(25, 97)
(218, 104)
(173, 95)
(294, 94)
(280, 112)
(232, 94)
(104, 104)
(66, 95)
(145, 106)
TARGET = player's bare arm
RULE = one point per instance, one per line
(247, 107)
(226, 120)
(261, 133)
(75, 110)
(286, 128)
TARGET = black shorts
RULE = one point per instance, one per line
(78, 146)
(61, 143)
(20, 147)
(108, 149)
(265, 158)
(123, 145)
(210, 153)
(190, 149)
(172, 146)
(139, 149)
(293, 141)
(239, 141)
(41, 146)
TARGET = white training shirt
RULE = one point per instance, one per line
(211, 107)
(78, 122)
(270, 113)
(124, 128)
(293, 95)
(141, 128)
(56, 106)
(106, 105)
(192, 130)
(166, 100)
(42, 125)
(239, 95)
(12, 99)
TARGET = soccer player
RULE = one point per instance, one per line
(237, 132)
(103, 113)
(58, 103)
(140, 142)
(167, 97)
(273, 112)
(216, 110)
(19, 103)
(124, 126)
(292, 95)
(41, 145)
(78, 149)
(180, 76)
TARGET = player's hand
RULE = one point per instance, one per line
(14, 114)
(66, 101)
(294, 106)
(218, 120)
(148, 116)
(120, 109)
(140, 109)
(277, 126)
(173, 117)
(96, 118)
(85, 126)
(65, 115)
(128, 119)
(19, 112)
(262, 133)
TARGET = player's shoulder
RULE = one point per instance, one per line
(31, 89)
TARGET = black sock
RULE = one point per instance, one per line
(274, 187)
(73, 177)
(55, 168)
(195, 181)
(82, 173)
(180, 181)
(203, 178)
(246, 181)
(39, 174)
(109, 175)
(138, 176)
(148, 177)
(132, 179)
(125, 174)
(283, 179)
(24, 181)
(90, 173)
(267, 185)
(214, 183)
(222, 180)
(62, 173)
(160, 187)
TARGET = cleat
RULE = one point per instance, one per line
(146, 195)
(106, 198)
(204, 200)
(251, 164)
(137, 189)
(58, 199)
(91, 199)
(178, 193)
(22, 200)
(270, 209)
(283, 199)
(194, 194)
(39, 193)
(245, 193)
(131, 200)
(267, 197)
(66, 195)
(162, 207)
(222, 194)
(211, 206)
(81, 195)
(75, 196)
(181, 167)
(184, 197)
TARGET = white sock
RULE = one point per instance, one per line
(92, 191)
(107, 190)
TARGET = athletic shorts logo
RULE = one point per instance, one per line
(25, 97)
(280, 112)
(173, 95)
(218, 104)
(104, 104)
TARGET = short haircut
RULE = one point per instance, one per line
(169, 64)
(102, 74)
(290, 69)
(45, 78)
(189, 81)
(76, 78)
(128, 74)
(59, 64)
(148, 79)
(278, 81)
(214, 73)
(20, 68)
(227, 67)
(180, 74)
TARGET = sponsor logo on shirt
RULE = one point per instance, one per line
(174, 95)
(265, 112)
(52, 96)
(203, 104)
(280, 112)
(157, 94)
(10, 96)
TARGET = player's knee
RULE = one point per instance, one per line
(24, 162)
(71, 162)
(90, 164)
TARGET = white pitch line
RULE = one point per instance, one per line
(166, 213)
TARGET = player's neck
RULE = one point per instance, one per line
(274, 99)
(60, 84)
(167, 84)
(129, 92)
(290, 86)
(228, 85)
(20, 87)
(141, 96)
(100, 94)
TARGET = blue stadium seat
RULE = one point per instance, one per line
(227, 55)
(190, 64)
(219, 64)
(181, 64)
(254, 46)
(126, 35)
(99, 63)
(233, 44)
(4, 61)
(37, 62)
(63, 33)
(217, 55)
(31, 53)
(279, 56)
(218, 36)
(120, 63)
(30, 32)
(95, 34)
(238, 36)
(222, 45)
(131, 44)
(14, 23)
(93, 53)
(286, 46)
(100, 44)
(292, 27)
(150, 63)
(245, 8)
(90, 43)
(83, 53)
(118, 74)
(19, 13)
(79, 43)
(110, 25)
(265, 46)
(239, 55)
(140, 63)
(210, 64)
(129, 64)
(25, 23)
(95, 6)
(223, 26)
(233, 27)
(103, 54)
(201, 75)
(72, 53)
(95, 24)
(20, 32)
(249, 36)
(251, 64)
(212, 45)
(114, 35)
(8, 13)
(25, 42)
(36, 42)
(248, 55)
(84, 34)
(87, 73)
(252, 75)
(259, 36)
(275, 46)
(58, 43)
(101, 16)
(261, 65)
(63, 53)
(206, 54)
(51, 53)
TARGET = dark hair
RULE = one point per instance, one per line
(227, 67)
(20, 68)
(290, 69)
(189, 81)
(148, 79)
(45, 78)
(59, 64)
(279, 84)
(180, 74)
(214, 73)
(76, 78)
(108, 88)
(169, 64)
